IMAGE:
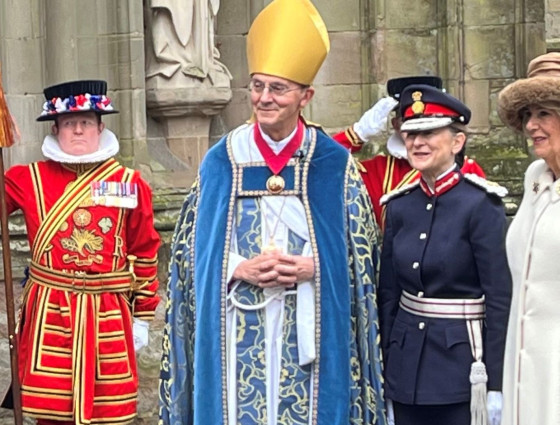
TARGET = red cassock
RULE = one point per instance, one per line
(384, 173)
(93, 267)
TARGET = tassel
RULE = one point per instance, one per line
(478, 378)
(7, 125)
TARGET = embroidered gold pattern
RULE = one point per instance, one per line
(67, 258)
(305, 200)
(82, 240)
(418, 106)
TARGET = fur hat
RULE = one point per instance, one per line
(541, 85)
(76, 96)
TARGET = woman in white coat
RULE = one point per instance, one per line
(532, 362)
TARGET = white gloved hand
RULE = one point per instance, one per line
(374, 120)
(140, 333)
(494, 406)
(390, 412)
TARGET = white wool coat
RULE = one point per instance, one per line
(532, 360)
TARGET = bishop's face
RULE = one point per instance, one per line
(277, 103)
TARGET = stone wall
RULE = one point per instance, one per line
(476, 47)
(552, 23)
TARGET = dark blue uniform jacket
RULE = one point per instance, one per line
(445, 246)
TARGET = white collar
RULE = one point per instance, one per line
(449, 170)
(274, 145)
(108, 147)
(395, 145)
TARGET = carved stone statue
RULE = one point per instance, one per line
(181, 36)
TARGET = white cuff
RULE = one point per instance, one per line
(140, 332)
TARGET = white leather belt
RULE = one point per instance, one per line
(443, 308)
(473, 312)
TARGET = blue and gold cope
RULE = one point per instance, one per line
(344, 384)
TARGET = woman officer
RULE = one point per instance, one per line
(445, 286)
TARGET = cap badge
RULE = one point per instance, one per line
(418, 106)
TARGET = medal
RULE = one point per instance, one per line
(275, 184)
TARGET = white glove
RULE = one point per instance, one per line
(494, 406)
(374, 120)
(140, 333)
(390, 412)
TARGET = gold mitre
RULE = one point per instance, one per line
(288, 39)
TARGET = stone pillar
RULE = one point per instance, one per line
(346, 84)
(22, 36)
(552, 21)
(103, 40)
(499, 41)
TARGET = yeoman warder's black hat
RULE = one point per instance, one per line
(76, 96)
(395, 86)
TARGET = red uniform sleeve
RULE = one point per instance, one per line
(349, 139)
(17, 186)
(143, 241)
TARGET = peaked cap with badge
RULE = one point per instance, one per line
(425, 108)
(74, 97)
(288, 39)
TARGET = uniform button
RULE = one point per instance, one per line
(429, 207)
(421, 325)
(423, 236)
(420, 294)
(415, 265)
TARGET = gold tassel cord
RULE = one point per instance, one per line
(7, 125)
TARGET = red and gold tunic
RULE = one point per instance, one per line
(93, 267)
(384, 173)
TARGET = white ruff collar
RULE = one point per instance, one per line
(396, 146)
(108, 147)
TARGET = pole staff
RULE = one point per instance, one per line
(6, 140)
